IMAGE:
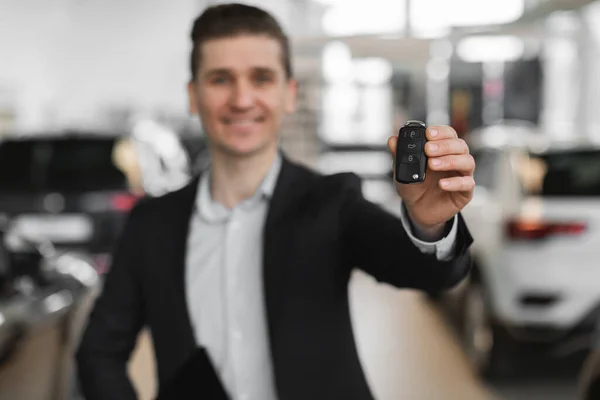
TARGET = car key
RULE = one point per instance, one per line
(411, 161)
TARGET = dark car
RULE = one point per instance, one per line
(43, 304)
(67, 189)
(76, 188)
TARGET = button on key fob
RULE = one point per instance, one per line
(411, 161)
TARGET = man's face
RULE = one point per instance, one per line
(241, 93)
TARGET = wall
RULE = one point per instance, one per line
(70, 60)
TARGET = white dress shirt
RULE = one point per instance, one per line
(224, 286)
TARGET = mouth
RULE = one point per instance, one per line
(242, 122)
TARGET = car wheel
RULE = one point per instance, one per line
(487, 348)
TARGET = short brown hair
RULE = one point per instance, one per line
(226, 20)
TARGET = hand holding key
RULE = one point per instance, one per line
(448, 184)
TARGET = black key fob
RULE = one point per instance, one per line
(411, 161)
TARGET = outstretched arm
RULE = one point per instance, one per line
(427, 247)
(383, 245)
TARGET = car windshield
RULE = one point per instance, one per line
(64, 164)
(566, 173)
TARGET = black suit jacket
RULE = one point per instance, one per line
(317, 230)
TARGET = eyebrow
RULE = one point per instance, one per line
(227, 71)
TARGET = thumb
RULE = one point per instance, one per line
(392, 143)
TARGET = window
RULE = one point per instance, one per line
(67, 164)
(562, 173)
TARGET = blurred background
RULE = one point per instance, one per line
(93, 115)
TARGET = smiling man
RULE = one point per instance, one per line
(242, 276)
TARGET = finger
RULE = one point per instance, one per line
(457, 184)
(463, 163)
(446, 147)
(440, 132)
(392, 144)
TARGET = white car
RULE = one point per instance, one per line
(535, 220)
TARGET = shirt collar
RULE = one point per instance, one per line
(267, 187)
(213, 211)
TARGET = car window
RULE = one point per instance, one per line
(17, 169)
(60, 164)
(562, 173)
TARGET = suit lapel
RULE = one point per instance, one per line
(179, 223)
(278, 235)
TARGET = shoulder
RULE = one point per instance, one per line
(327, 187)
(177, 201)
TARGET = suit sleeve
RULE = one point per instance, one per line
(377, 242)
(443, 248)
(114, 323)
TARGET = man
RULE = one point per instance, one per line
(251, 261)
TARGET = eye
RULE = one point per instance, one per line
(262, 78)
(219, 80)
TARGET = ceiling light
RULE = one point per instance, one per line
(461, 13)
(490, 48)
(362, 18)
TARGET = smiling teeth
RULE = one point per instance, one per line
(242, 124)
(242, 121)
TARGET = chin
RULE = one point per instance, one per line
(243, 149)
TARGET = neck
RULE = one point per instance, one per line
(234, 179)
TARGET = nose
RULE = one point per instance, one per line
(242, 96)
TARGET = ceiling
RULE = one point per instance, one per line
(413, 53)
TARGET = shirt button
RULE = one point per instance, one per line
(237, 335)
(244, 396)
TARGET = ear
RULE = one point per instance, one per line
(291, 95)
(192, 97)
